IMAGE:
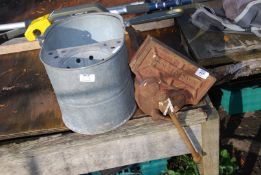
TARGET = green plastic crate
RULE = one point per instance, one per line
(237, 100)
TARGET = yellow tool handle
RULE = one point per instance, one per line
(37, 28)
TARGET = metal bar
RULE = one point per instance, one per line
(157, 16)
(195, 155)
(10, 26)
(136, 7)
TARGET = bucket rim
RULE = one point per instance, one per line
(68, 19)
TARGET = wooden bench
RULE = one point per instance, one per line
(139, 140)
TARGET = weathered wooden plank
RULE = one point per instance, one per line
(19, 47)
(210, 143)
(233, 71)
(154, 25)
(137, 141)
(28, 105)
(245, 145)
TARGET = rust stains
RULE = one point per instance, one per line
(162, 73)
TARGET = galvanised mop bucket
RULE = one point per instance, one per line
(86, 59)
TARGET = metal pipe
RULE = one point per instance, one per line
(11, 26)
(167, 4)
(135, 7)
(140, 7)
(121, 9)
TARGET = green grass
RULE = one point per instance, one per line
(227, 163)
(184, 165)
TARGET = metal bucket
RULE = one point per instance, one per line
(86, 60)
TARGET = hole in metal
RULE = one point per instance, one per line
(91, 57)
(68, 67)
(56, 57)
(50, 53)
(37, 32)
(78, 60)
(112, 47)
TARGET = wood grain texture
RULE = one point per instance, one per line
(28, 105)
(137, 141)
(210, 143)
(230, 72)
(19, 47)
(154, 25)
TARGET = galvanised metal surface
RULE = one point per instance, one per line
(86, 60)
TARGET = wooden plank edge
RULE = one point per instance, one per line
(233, 71)
(19, 47)
(210, 142)
(33, 133)
(154, 25)
(75, 154)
